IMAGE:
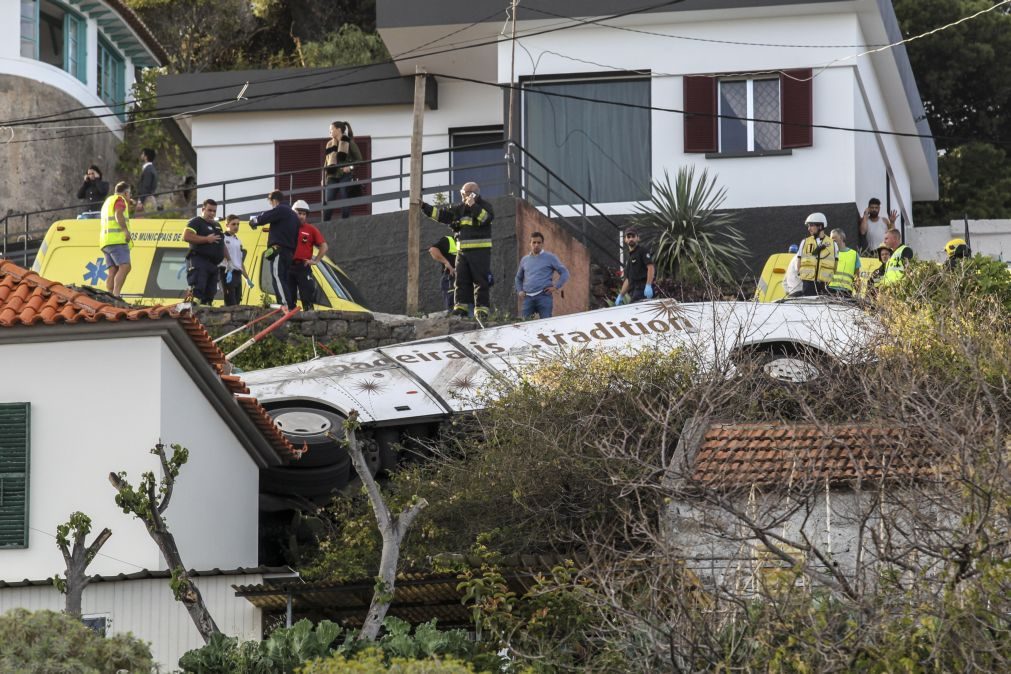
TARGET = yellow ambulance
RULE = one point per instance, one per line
(770, 283)
(70, 255)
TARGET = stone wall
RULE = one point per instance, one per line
(47, 171)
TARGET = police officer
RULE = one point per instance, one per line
(207, 250)
(817, 256)
(639, 271)
(444, 252)
(473, 260)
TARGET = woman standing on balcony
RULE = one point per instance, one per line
(339, 158)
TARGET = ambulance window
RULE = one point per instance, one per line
(342, 284)
(168, 278)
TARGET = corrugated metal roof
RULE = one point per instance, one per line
(145, 574)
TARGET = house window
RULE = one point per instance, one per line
(721, 113)
(483, 165)
(55, 35)
(111, 76)
(742, 104)
(593, 134)
(14, 455)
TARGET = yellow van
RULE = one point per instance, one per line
(770, 284)
(70, 255)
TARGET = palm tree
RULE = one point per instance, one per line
(690, 239)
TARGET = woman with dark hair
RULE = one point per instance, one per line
(94, 190)
(338, 166)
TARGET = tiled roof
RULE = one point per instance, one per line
(742, 455)
(27, 299)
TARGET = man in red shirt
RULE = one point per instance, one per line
(300, 272)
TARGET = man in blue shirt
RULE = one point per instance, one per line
(280, 244)
(535, 278)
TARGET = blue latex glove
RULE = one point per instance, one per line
(619, 300)
(228, 276)
(648, 292)
(249, 282)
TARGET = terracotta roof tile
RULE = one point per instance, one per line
(27, 299)
(742, 455)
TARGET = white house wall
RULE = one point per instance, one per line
(94, 410)
(234, 146)
(214, 508)
(147, 609)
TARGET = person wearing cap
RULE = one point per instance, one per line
(817, 257)
(895, 268)
(207, 250)
(846, 278)
(639, 271)
(284, 225)
(300, 273)
(956, 250)
(792, 284)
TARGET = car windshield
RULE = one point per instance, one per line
(343, 286)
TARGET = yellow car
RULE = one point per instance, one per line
(70, 255)
(770, 285)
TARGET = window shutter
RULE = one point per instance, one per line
(302, 154)
(14, 446)
(795, 89)
(700, 114)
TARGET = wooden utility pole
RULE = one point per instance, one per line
(414, 208)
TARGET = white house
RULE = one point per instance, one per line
(86, 389)
(793, 103)
(75, 61)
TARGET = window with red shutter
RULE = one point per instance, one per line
(797, 104)
(700, 114)
(304, 157)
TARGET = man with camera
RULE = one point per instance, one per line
(473, 261)
(281, 243)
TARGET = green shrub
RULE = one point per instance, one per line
(371, 661)
(44, 642)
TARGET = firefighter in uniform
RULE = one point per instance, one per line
(817, 256)
(473, 260)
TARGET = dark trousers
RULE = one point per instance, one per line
(472, 269)
(303, 284)
(202, 278)
(337, 188)
(812, 288)
(446, 285)
(232, 290)
(637, 291)
(280, 265)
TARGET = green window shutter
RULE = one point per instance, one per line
(14, 461)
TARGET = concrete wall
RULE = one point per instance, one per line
(575, 295)
(147, 609)
(47, 171)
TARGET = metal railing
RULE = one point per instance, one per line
(541, 187)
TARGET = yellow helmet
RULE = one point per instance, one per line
(952, 247)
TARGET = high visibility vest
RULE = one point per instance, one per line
(454, 248)
(895, 268)
(817, 265)
(112, 234)
(845, 270)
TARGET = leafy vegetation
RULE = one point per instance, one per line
(691, 240)
(327, 647)
(44, 642)
(273, 350)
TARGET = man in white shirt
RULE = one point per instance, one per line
(873, 225)
(233, 268)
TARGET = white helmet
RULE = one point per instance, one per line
(300, 205)
(817, 219)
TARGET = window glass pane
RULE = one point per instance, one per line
(767, 135)
(491, 178)
(51, 34)
(171, 275)
(601, 150)
(29, 36)
(734, 103)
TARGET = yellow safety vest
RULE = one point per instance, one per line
(112, 234)
(845, 270)
(453, 247)
(895, 268)
(817, 265)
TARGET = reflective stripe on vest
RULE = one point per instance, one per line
(845, 270)
(817, 266)
(895, 268)
(112, 234)
(469, 244)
